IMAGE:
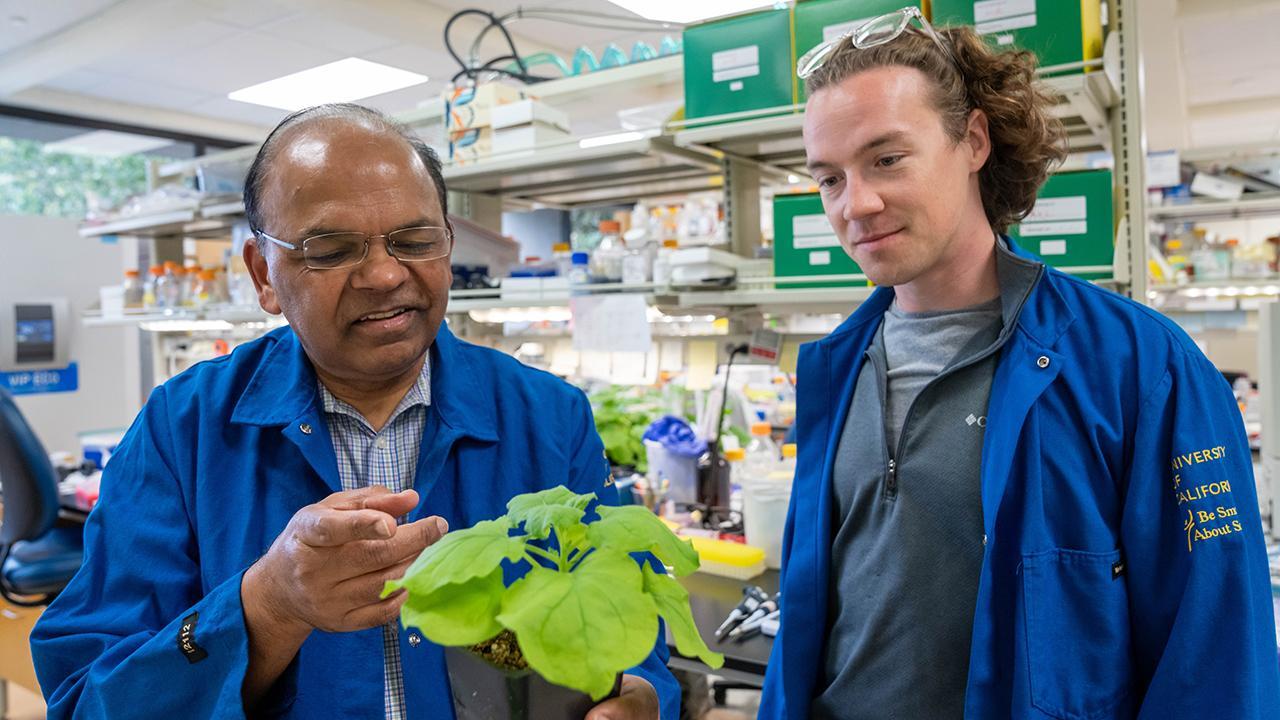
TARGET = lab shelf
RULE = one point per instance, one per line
(1217, 209)
(619, 81)
(567, 174)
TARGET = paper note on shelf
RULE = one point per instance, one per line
(671, 356)
(789, 357)
(611, 323)
(702, 365)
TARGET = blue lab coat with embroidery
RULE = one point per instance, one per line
(211, 472)
(1125, 572)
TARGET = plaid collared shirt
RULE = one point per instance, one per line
(388, 457)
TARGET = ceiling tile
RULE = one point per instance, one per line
(225, 109)
(175, 45)
(249, 13)
(244, 59)
(38, 18)
(320, 31)
(80, 81)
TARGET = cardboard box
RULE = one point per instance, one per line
(526, 138)
(1072, 224)
(820, 20)
(740, 63)
(468, 108)
(805, 245)
(469, 146)
(1058, 31)
(528, 112)
(15, 645)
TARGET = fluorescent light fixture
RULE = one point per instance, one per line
(522, 315)
(613, 139)
(107, 143)
(793, 179)
(185, 325)
(684, 12)
(341, 81)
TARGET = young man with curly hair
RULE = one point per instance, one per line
(1018, 495)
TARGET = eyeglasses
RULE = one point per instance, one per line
(876, 31)
(334, 251)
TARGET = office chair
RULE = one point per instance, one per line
(37, 559)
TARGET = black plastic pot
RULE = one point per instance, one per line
(482, 691)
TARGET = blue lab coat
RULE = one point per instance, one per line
(216, 464)
(1124, 571)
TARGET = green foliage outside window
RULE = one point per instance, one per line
(34, 182)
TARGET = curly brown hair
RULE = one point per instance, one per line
(1027, 141)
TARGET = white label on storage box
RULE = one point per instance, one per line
(834, 31)
(743, 62)
(812, 231)
(1054, 227)
(820, 257)
(1074, 207)
(992, 16)
(735, 86)
(1053, 247)
(988, 10)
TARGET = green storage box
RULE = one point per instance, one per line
(1058, 31)
(1071, 226)
(804, 243)
(738, 64)
(820, 20)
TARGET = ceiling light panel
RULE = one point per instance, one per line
(342, 81)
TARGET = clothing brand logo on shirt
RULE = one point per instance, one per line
(975, 420)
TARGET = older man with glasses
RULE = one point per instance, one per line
(1018, 495)
(248, 521)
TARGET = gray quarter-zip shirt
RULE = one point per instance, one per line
(908, 544)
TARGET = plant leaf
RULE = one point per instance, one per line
(581, 629)
(634, 528)
(539, 511)
(673, 605)
(458, 557)
(457, 614)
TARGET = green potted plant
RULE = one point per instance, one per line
(559, 593)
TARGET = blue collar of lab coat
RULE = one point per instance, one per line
(283, 389)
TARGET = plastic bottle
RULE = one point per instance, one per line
(762, 454)
(168, 291)
(562, 256)
(764, 515)
(203, 292)
(662, 263)
(150, 298)
(636, 265)
(606, 261)
(133, 289)
(735, 458)
(766, 492)
(190, 278)
(578, 272)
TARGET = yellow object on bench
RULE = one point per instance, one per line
(728, 559)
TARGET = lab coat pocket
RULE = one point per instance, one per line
(1077, 632)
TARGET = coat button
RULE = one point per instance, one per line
(1043, 362)
(305, 428)
(415, 639)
